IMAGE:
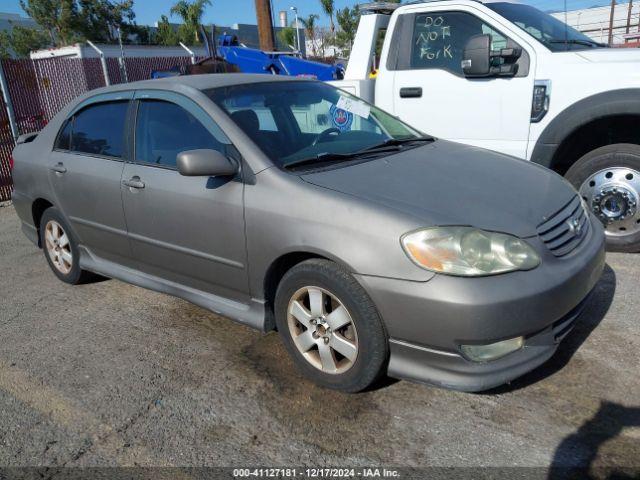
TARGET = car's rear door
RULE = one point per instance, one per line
(188, 230)
(85, 170)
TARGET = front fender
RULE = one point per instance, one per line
(615, 102)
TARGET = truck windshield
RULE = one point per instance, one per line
(309, 122)
(557, 36)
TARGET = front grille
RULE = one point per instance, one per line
(563, 231)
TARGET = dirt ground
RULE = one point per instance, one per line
(108, 374)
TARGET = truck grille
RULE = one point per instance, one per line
(563, 231)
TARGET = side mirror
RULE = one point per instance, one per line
(479, 61)
(477, 56)
(205, 163)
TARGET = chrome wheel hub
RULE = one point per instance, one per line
(322, 330)
(58, 247)
(612, 195)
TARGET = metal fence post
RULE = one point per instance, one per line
(123, 64)
(191, 54)
(103, 61)
(4, 87)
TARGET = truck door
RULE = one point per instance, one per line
(431, 92)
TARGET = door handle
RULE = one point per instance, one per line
(58, 168)
(134, 182)
(411, 92)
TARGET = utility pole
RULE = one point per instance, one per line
(265, 25)
(611, 17)
(628, 19)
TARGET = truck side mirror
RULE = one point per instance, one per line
(476, 61)
(479, 61)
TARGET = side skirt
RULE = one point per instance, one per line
(252, 315)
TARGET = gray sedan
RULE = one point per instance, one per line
(288, 204)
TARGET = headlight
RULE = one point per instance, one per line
(468, 251)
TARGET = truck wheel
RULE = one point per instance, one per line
(608, 179)
(330, 326)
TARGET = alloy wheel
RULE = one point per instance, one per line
(58, 247)
(322, 330)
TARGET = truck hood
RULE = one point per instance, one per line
(446, 183)
(611, 55)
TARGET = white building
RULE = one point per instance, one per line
(594, 22)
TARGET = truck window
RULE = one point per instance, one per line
(439, 39)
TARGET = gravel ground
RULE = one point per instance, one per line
(108, 374)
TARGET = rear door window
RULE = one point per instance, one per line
(99, 129)
(164, 129)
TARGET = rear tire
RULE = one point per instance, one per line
(61, 248)
(340, 341)
(608, 179)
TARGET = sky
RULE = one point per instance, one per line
(228, 12)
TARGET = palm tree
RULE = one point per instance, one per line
(309, 24)
(191, 13)
(329, 8)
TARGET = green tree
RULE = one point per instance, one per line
(100, 19)
(287, 36)
(165, 34)
(329, 9)
(70, 21)
(191, 14)
(20, 41)
(59, 17)
(348, 19)
(309, 24)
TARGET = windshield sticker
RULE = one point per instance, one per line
(354, 106)
(340, 118)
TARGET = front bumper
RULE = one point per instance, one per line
(428, 321)
(451, 370)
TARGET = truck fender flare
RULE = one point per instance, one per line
(616, 102)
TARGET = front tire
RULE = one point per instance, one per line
(330, 326)
(608, 179)
(61, 248)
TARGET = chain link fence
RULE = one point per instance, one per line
(38, 89)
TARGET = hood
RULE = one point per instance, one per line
(446, 183)
(611, 55)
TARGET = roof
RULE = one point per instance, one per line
(198, 82)
(213, 80)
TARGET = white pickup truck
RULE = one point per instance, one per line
(508, 77)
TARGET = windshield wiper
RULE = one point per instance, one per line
(320, 158)
(392, 143)
(587, 43)
(396, 142)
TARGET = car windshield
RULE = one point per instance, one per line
(311, 123)
(557, 36)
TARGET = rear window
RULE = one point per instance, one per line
(96, 130)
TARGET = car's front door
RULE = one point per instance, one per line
(85, 170)
(188, 230)
(431, 92)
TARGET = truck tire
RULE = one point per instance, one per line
(330, 326)
(608, 179)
